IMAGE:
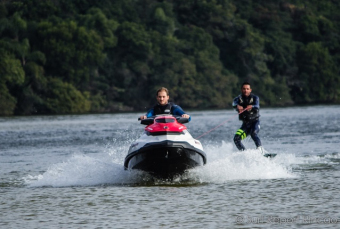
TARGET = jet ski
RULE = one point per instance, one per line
(166, 148)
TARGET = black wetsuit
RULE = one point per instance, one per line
(250, 120)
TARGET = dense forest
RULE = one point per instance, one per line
(80, 56)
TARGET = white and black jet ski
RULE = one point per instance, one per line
(166, 148)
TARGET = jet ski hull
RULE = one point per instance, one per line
(165, 159)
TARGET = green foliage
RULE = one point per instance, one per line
(162, 23)
(11, 71)
(29, 102)
(134, 39)
(7, 101)
(34, 9)
(63, 98)
(318, 74)
(60, 56)
(96, 20)
(72, 51)
(3, 11)
(11, 75)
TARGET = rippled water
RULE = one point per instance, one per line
(67, 172)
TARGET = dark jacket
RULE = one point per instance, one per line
(169, 108)
(254, 113)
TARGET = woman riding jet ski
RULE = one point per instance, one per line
(166, 148)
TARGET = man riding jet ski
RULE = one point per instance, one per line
(164, 107)
(166, 148)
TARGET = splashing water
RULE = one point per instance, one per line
(223, 165)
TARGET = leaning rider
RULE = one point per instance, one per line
(247, 105)
(164, 106)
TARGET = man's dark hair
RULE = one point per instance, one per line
(245, 83)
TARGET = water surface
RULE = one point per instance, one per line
(67, 172)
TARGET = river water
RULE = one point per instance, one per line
(67, 172)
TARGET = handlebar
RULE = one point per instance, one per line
(150, 120)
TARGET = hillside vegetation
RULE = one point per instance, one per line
(80, 56)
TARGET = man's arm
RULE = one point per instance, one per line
(256, 102)
(236, 105)
(177, 110)
(149, 114)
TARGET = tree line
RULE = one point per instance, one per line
(80, 56)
